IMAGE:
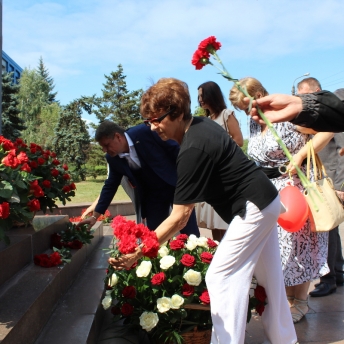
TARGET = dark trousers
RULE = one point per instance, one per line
(335, 259)
(158, 203)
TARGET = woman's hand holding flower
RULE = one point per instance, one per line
(126, 261)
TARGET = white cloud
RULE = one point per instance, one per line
(159, 33)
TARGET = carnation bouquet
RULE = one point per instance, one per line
(164, 294)
(31, 179)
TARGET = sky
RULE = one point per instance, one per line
(80, 41)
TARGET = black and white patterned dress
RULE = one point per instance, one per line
(303, 253)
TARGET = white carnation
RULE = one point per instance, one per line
(164, 304)
(163, 251)
(107, 301)
(176, 301)
(113, 280)
(166, 262)
(148, 320)
(144, 269)
(193, 277)
(108, 292)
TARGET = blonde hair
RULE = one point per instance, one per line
(253, 87)
(167, 94)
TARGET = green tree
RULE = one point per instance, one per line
(40, 115)
(12, 124)
(44, 73)
(199, 111)
(71, 141)
(117, 103)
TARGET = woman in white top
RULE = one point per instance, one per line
(211, 99)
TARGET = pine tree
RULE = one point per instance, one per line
(44, 73)
(71, 141)
(12, 124)
(117, 103)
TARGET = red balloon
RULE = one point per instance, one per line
(296, 209)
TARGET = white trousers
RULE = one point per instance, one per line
(249, 247)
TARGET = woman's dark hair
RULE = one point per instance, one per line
(213, 97)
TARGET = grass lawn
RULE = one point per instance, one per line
(89, 190)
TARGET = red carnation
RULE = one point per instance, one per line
(206, 257)
(129, 292)
(158, 278)
(204, 297)
(53, 154)
(25, 167)
(73, 187)
(75, 244)
(65, 167)
(4, 210)
(260, 294)
(42, 260)
(55, 162)
(55, 259)
(127, 309)
(177, 245)
(182, 237)
(10, 159)
(56, 240)
(46, 184)
(188, 260)
(54, 172)
(188, 290)
(260, 308)
(40, 161)
(211, 243)
(200, 59)
(33, 164)
(209, 45)
(66, 176)
(22, 158)
(66, 189)
(34, 205)
(45, 156)
(6, 144)
(33, 150)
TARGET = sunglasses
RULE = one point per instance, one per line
(155, 120)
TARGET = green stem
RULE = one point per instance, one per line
(305, 182)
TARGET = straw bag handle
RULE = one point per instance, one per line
(318, 166)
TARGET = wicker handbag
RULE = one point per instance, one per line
(326, 209)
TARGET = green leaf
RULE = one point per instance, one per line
(6, 189)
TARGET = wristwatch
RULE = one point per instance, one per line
(94, 217)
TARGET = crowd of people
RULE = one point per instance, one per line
(175, 162)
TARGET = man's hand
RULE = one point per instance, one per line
(276, 107)
(90, 221)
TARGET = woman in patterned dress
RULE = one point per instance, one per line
(303, 253)
(211, 99)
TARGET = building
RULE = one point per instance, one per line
(8, 65)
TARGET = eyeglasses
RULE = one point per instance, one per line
(155, 120)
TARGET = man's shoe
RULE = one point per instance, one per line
(340, 278)
(323, 289)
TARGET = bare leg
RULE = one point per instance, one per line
(300, 305)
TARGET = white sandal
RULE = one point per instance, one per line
(300, 313)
